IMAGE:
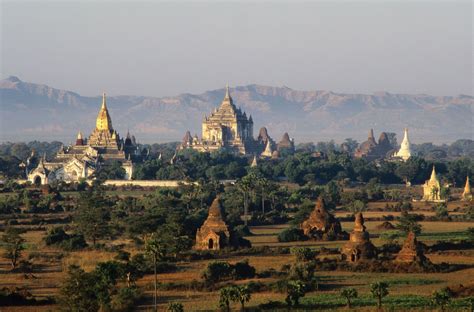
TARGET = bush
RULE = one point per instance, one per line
(75, 242)
(243, 270)
(291, 235)
(125, 299)
(57, 236)
(294, 291)
(217, 271)
(303, 253)
(175, 307)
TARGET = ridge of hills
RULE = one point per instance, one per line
(32, 111)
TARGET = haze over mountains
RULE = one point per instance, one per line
(32, 111)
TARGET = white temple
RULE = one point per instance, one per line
(405, 149)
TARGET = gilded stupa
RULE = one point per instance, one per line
(432, 188)
(467, 194)
(84, 158)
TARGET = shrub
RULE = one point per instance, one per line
(217, 271)
(69, 242)
(243, 270)
(56, 235)
(294, 291)
(125, 299)
(291, 235)
(220, 270)
(175, 307)
(75, 242)
(441, 298)
(349, 294)
(303, 253)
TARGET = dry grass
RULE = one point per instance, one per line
(48, 281)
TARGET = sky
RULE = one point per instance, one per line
(169, 48)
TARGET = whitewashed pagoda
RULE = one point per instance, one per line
(405, 151)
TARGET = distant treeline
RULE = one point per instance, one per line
(453, 162)
(459, 148)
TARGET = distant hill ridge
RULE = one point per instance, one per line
(33, 111)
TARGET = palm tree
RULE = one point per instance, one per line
(157, 250)
(243, 295)
(263, 184)
(245, 185)
(227, 294)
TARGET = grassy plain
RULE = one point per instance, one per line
(406, 290)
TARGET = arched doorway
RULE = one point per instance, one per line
(37, 180)
(210, 244)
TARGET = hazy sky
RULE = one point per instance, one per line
(167, 48)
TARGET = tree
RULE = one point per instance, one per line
(349, 294)
(349, 145)
(77, 292)
(303, 254)
(92, 215)
(441, 210)
(175, 307)
(379, 290)
(156, 248)
(13, 245)
(294, 291)
(264, 185)
(441, 298)
(357, 206)
(165, 242)
(408, 223)
(217, 271)
(243, 295)
(227, 294)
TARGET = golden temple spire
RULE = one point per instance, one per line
(433, 174)
(104, 123)
(467, 189)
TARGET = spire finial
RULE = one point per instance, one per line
(104, 100)
(227, 94)
(433, 174)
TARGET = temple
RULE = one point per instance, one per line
(412, 251)
(322, 225)
(432, 188)
(86, 156)
(372, 150)
(359, 246)
(228, 128)
(214, 234)
(467, 194)
(405, 151)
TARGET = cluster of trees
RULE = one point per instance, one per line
(301, 167)
(99, 290)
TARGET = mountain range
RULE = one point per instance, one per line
(30, 111)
